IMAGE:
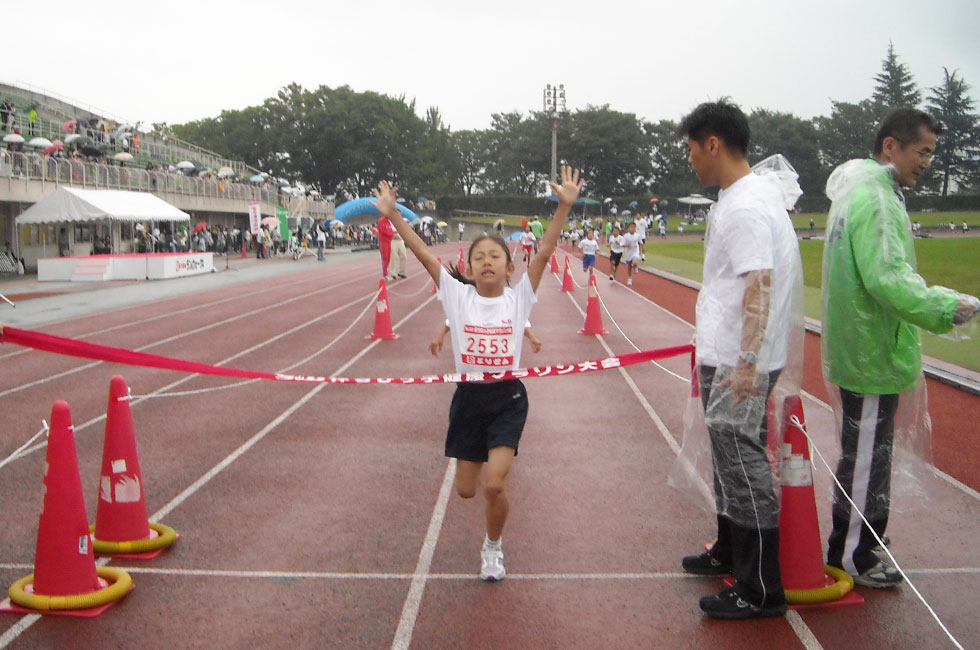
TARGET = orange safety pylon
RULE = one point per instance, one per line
(593, 311)
(65, 578)
(121, 524)
(554, 263)
(567, 283)
(461, 262)
(806, 579)
(382, 316)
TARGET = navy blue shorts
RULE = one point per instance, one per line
(587, 261)
(484, 416)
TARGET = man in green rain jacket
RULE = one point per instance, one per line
(874, 303)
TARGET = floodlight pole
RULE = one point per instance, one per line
(554, 104)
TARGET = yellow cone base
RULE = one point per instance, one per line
(23, 600)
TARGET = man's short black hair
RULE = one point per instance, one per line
(903, 123)
(722, 119)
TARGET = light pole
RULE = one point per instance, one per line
(554, 105)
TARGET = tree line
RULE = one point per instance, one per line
(341, 142)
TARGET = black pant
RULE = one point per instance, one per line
(752, 552)
(865, 470)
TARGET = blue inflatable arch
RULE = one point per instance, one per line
(357, 207)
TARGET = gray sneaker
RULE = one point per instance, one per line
(493, 564)
(880, 576)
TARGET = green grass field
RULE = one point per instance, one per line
(949, 261)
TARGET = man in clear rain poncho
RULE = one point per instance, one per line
(748, 337)
(874, 303)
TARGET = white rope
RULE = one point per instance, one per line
(17, 452)
(201, 391)
(795, 421)
(620, 330)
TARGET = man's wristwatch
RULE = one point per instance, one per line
(748, 357)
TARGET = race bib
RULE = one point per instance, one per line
(491, 347)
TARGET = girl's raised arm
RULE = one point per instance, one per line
(567, 194)
(387, 205)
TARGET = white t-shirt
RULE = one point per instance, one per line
(616, 243)
(631, 244)
(527, 238)
(641, 227)
(484, 336)
(748, 230)
(589, 246)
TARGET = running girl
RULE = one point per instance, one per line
(527, 243)
(615, 251)
(631, 245)
(589, 247)
(486, 419)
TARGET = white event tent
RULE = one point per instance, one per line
(70, 204)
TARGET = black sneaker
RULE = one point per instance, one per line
(705, 565)
(730, 605)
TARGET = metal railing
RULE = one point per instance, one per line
(17, 166)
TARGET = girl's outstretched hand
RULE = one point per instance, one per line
(387, 199)
(570, 186)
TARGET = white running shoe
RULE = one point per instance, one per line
(493, 564)
(629, 283)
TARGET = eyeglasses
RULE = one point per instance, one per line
(926, 156)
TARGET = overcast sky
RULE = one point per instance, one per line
(180, 61)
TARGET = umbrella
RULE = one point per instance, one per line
(283, 183)
(201, 226)
(39, 142)
(654, 200)
(185, 164)
(125, 128)
(171, 168)
(441, 224)
(225, 171)
(633, 204)
(140, 227)
(81, 141)
(499, 223)
(400, 199)
(81, 121)
(53, 148)
(427, 219)
(122, 155)
(13, 137)
(72, 137)
(271, 222)
(93, 149)
(336, 223)
(258, 178)
(68, 125)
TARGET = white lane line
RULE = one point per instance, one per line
(177, 337)
(150, 319)
(803, 633)
(16, 630)
(342, 575)
(410, 609)
(163, 390)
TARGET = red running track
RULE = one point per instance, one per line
(319, 517)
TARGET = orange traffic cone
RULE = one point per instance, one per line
(554, 263)
(382, 317)
(65, 578)
(567, 284)
(593, 311)
(806, 579)
(461, 262)
(244, 247)
(121, 525)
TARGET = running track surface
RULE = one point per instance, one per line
(322, 516)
